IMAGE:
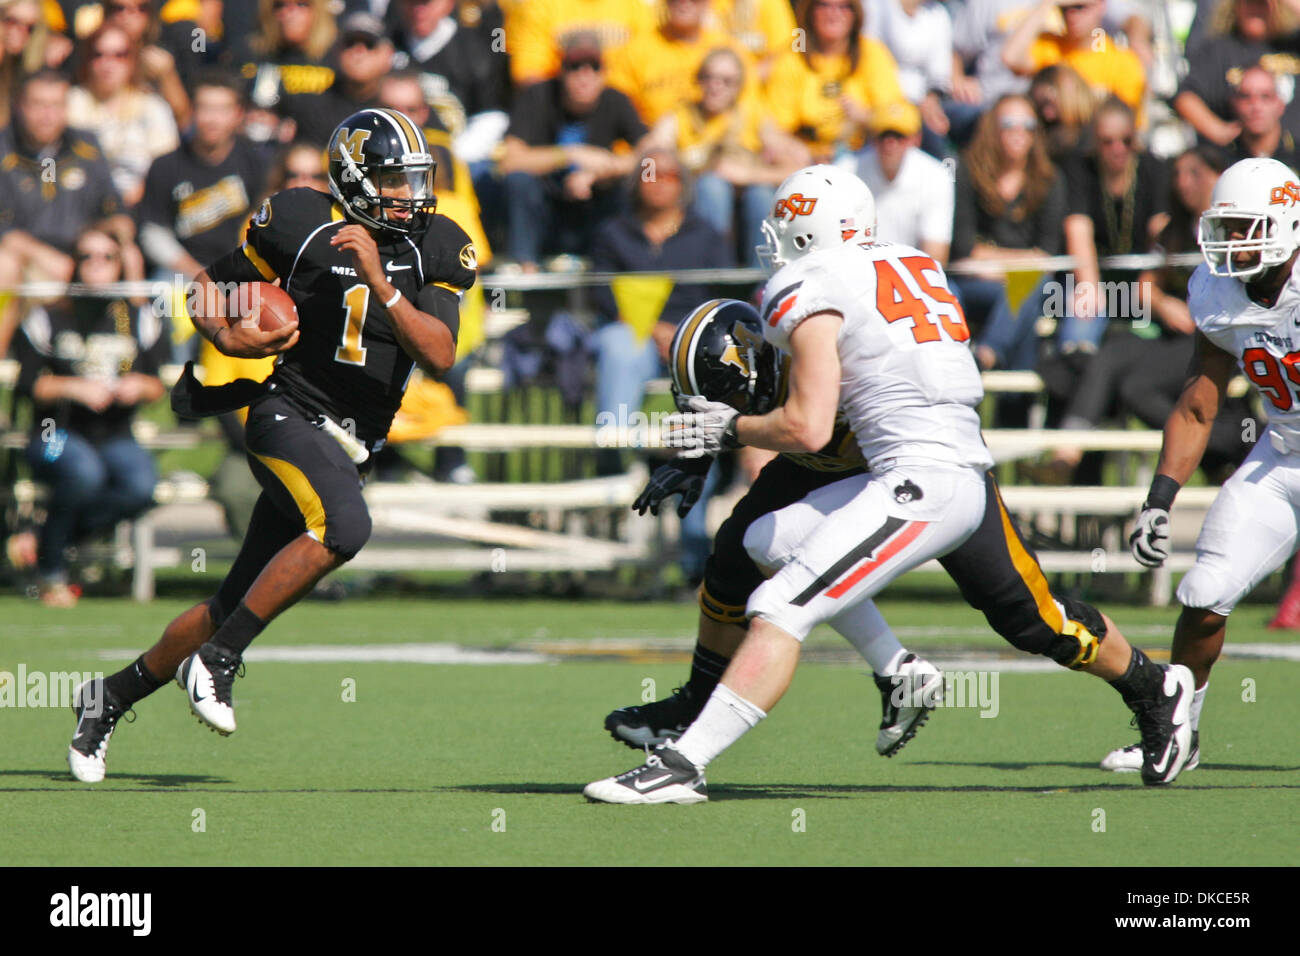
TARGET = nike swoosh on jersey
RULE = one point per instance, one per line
(647, 784)
(280, 418)
(391, 267)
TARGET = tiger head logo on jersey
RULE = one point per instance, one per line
(381, 171)
(1253, 222)
(812, 208)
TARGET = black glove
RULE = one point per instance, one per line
(684, 476)
(192, 400)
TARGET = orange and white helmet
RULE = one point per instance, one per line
(817, 207)
(1257, 200)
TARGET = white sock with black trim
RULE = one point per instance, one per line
(726, 718)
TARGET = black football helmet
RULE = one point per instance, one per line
(377, 151)
(719, 352)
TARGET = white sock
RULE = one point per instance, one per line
(864, 627)
(1198, 701)
(726, 718)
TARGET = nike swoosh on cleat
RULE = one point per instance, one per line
(646, 785)
(1163, 765)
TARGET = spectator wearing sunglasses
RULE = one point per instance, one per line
(1259, 108)
(134, 126)
(539, 31)
(87, 364)
(1119, 203)
(1082, 44)
(912, 189)
(560, 165)
(365, 58)
(1010, 204)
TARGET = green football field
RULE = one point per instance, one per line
(461, 731)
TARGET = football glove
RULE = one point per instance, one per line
(703, 428)
(685, 477)
(1150, 539)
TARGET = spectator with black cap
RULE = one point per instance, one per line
(560, 167)
(365, 58)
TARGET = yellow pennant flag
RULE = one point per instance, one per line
(640, 300)
(1019, 285)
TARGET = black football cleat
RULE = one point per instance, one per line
(97, 715)
(1166, 727)
(650, 725)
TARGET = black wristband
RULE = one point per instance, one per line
(1162, 491)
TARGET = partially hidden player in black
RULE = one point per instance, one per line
(376, 276)
(719, 352)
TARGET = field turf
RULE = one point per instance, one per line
(483, 764)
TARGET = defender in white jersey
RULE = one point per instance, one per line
(1245, 300)
(874, 331)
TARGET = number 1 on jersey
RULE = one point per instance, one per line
(895, 300)
(355, 301)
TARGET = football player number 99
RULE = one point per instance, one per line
(355, 301)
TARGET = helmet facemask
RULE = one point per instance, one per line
(409, 186)
(1261, 237)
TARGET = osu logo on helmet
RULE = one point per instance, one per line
(796, 204)
(1288, 193)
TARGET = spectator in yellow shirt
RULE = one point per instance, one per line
(657, 67)
(536, 31)
(826, 89)
(1106, 67)
(730, 148)
(763, 27)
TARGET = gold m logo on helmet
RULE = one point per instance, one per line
(796, 204)
(1286, 194)
(352, 141)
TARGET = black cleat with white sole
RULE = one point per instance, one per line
(97, 712)
(1166, 728)
(656, 723)
(665, 777)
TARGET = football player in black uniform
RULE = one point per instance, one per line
(719, 352)
(376, 276)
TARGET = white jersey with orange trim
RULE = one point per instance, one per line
(1265, 340)
(909, 384)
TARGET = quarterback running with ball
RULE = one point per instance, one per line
(1245, 301)
(873, 331)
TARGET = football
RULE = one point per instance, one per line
(278, 308)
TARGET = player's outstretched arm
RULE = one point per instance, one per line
(211, 312)
(807, 419)
(427, 339)
(1187, 431)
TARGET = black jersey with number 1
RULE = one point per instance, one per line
(347, 363)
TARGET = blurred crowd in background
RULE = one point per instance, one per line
(627, 135)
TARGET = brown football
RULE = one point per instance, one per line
(277, 306)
